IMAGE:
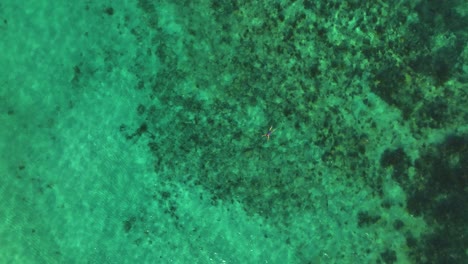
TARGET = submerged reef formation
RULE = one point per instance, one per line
(363, 96)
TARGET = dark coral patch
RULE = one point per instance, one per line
(441, 197)
(397, 159)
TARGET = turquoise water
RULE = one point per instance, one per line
(134, 132)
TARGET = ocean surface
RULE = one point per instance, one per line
(281, 132)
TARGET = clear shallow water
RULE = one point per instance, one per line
(132, 133)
